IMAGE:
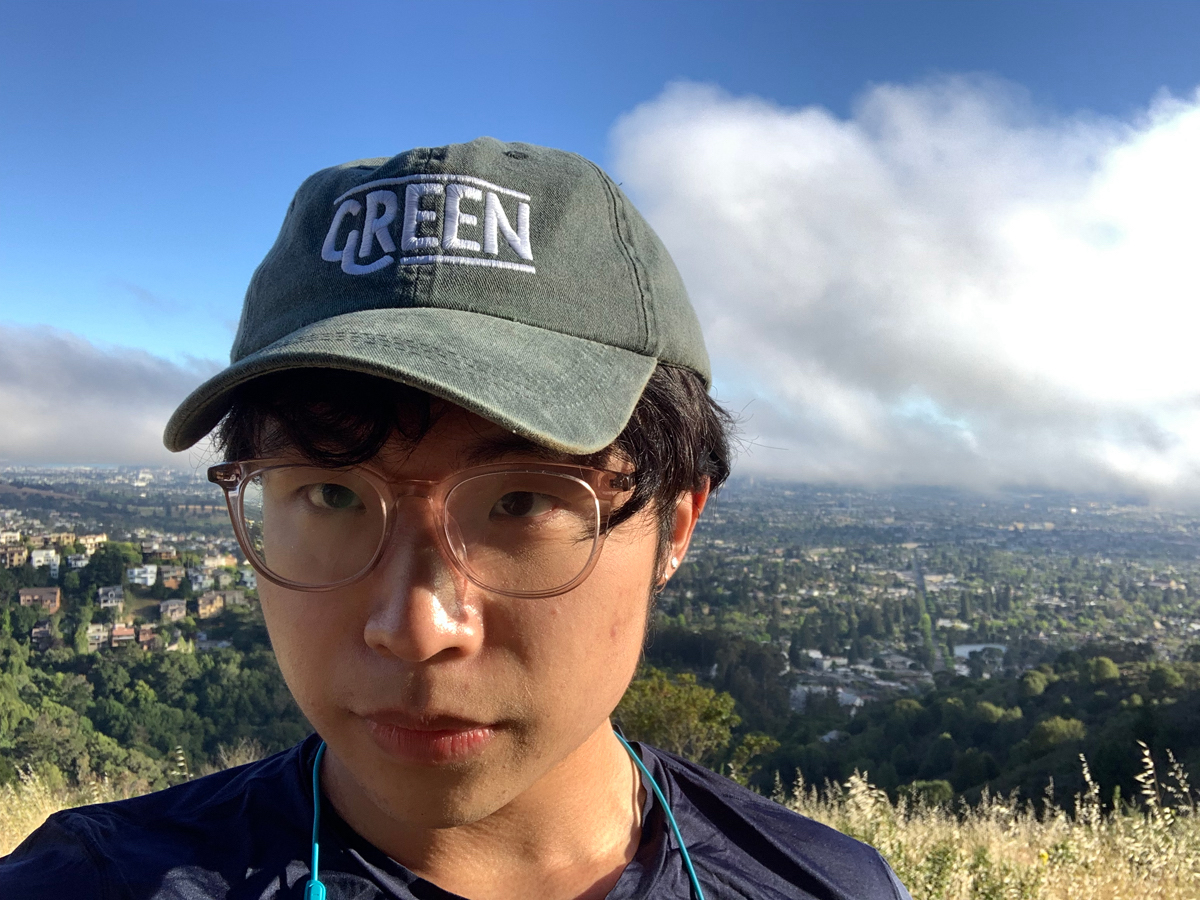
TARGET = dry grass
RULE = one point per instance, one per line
(1001, 849)
(998, 850)
(24, 806)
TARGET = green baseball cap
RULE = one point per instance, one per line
(513, 280)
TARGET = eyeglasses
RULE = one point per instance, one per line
(522, 530)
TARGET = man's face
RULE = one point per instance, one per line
(444, 702)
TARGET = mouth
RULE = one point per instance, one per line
(428, 740)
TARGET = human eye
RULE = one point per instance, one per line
(523, 505)
(329, 495)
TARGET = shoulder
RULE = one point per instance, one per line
(771, 841)
(193, 832)
(55, 847)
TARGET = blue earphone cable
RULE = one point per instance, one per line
(683, 851)
(315, 889)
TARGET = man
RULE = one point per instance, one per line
(469, 436)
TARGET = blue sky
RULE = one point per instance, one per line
(149, 150)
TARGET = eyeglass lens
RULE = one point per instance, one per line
(518, 532)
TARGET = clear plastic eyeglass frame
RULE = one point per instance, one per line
(603, 486)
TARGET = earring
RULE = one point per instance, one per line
(674, 562)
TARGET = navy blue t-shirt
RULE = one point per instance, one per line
(244, 834)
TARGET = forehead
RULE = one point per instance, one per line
(459, 438)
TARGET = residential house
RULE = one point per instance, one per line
(111, 597)
(224, 579)
(177, 642)
(200, 578)
(147, 637)
(10, 537)
(58, 539)
(77, 560)
(48, 598)
(122, 634)
(44, 557)
(97, 636)
(172, 610)
(172, 576)
(203, 643)
(249, 578)
(220, 560)
(41, 636)
(13, 555)
(234, 598)
(143, 575)
(91, 542)
(211, 603)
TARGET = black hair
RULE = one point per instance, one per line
(678, 438)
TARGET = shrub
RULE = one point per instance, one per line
(1101, 669)
(1033, 684)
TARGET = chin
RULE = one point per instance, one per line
(431, 803)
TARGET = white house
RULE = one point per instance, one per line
(44, 557)
(143, 575)
(249, 578)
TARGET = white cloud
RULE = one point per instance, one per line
(949, 287)
(65, 400)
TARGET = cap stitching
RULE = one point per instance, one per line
(623, 243)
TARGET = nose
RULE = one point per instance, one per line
(421, 606)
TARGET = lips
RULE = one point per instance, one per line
(428, 740)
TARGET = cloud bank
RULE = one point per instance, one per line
(949, 287)
(65, 400)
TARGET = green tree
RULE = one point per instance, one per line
(1164, 678)
(929, 793)
(678, 714)
(1052, 732)
(1102, 669)
(83, 618)
(107, 566)
(23, 619)
(754, 746)
(1033, 684)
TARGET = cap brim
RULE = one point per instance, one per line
(564, 392)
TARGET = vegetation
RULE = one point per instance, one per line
(812, 637)
(998, 849)
(126, 714)
(1002, 849)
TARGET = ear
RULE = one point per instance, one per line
(687, 512)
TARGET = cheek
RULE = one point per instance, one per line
(618, 597)
(304, 637)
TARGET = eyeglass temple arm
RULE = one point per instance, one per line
(225, 475)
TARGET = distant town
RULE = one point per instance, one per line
(868, 594)
(53, 522)
(865, 593)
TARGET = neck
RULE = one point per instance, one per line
(568, 836)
